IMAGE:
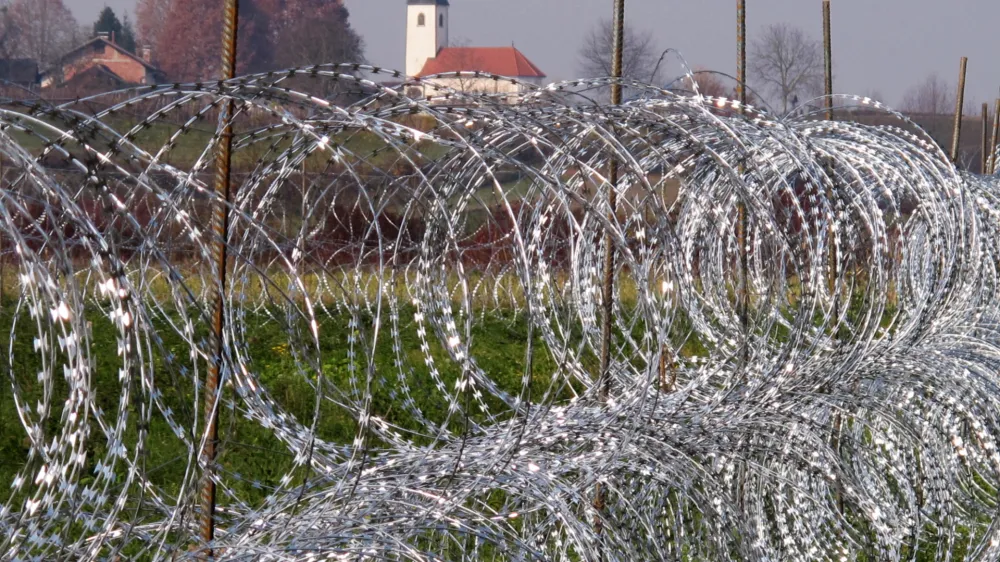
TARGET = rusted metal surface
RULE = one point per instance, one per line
(828, 61)
(741, 52)
(985, 164)
(993, 141)
(742, 226)
(959, 103)
(220, 228)
(608, 292)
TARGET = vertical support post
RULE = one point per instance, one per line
(741, 52)
(743, 225)
(220, 229)
(608, 293)
(828, 105)
(959, 103)
(993, 141)
(742, 221)
(828, 61)
(985, 165)
(834, 258)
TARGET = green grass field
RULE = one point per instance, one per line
(253, 460)
(247, 448)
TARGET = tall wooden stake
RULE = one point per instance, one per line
(959, 103)
(220, 228)
(828, 66)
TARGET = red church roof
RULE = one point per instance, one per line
(505, 61)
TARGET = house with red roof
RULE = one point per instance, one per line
(428, 54)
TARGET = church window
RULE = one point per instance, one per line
(441, 20)
(421, 20)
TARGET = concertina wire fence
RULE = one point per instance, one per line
(848, 410)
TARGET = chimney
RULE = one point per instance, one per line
(103, 35)
(147, 54)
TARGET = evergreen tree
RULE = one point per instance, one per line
(108, 22)
(127, 41)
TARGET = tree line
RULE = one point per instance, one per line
(184, 35)
(785, 66)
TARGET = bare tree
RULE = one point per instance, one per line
(709, 84)
(933, 96)
(47, 29)
(786, 63)
(461, 56)
(312, 32)
(150, 19)
(874, 95)
(638, 59)
(9, 31)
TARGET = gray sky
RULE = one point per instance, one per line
(86, 10)
(879, 45)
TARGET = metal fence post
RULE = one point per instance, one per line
(959, 103)
(220, 229)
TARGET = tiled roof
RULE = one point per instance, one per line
(505, 61)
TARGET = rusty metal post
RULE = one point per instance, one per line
(608, 293)
(985, 165)
(742, 220)
(828, 105)
(741, 52)
(220, 229)
(959, 103)
(607, 302)
(743, 225)
(993, 142)
(828, 66)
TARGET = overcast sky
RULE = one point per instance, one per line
(879, 45)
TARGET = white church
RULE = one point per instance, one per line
(428, 54)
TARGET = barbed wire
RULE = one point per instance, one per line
(381, 236)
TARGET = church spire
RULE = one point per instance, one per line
(426, 32)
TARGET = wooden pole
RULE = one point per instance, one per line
(959, 103)
(828, 61)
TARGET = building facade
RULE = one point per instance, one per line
(429, 56)
(426, 32)
(102, 57)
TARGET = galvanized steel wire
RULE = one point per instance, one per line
(864, 420)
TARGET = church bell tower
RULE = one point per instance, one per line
(426, 32)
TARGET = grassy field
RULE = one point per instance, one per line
(253, 460)
(247, 449)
